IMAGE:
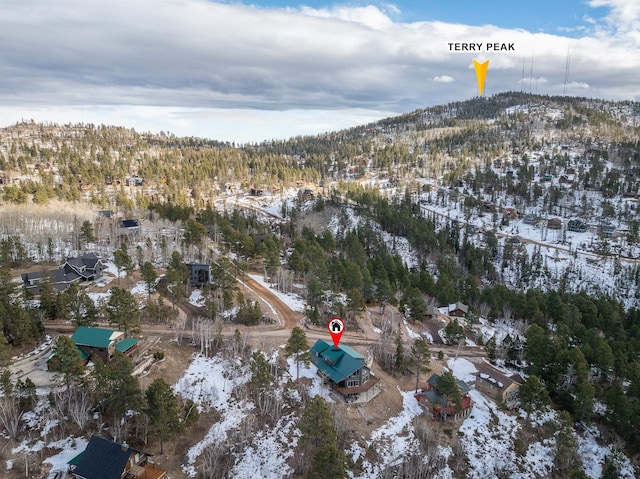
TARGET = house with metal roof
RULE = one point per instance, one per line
(439, 405)
(103, 343)
(104, 459)
(344, 369)
(498, 386)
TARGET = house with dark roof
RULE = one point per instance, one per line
(103, 343)
(577, 225)
(104, 459)
(89, 267)
(344, 369)
(458, 310)
(75, 270)
(498, 386)
(439, 405)
(199, 274)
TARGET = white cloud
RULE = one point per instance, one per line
(369, 16)
(623, 13)
(188, 59)
(443, 79)
(577, 85)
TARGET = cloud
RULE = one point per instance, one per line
(370, 16)
(624, 15)
(197, 55)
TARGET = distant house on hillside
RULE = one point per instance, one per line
(104, 459)
(199, 274)
(530, 219)
(75, 270)
(554, 224)
(577, 226)
(498, 386)
(432, 312)
(305, 194)
(344, 369)
(103, 343)
(439, 405)
(607, 229)
(458, 310)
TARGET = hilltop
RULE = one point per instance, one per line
(517, 211)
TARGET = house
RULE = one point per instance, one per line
(498, 386)
(432, 312)
(566, 180)
(344, 369)
(134, 181)
(103, 343)
(440, 406)
(58, 278)
(530, 219)
(89, 267)
(84, 268)
(305, 194)
(577, 225)
(554, 224)
(607, 230)
(199, 274)
(104, 459)
(458, 310)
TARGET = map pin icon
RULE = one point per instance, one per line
(336, 328)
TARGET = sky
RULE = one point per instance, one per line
(260, 70)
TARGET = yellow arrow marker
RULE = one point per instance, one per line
(481, 74)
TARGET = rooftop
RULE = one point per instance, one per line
(95, 337)
(338, 363)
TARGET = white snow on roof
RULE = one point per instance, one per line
(463, 369)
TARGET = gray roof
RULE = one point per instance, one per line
(499, 379)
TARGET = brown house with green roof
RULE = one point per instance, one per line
(103, 343)
(439, 405)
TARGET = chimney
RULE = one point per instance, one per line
(124, 446)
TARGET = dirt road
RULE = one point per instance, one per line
(290, 319)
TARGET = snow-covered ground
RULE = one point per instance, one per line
(488, 436)
(196, 298)
(69, 447)
(393, 441)
(267, 456)
(295, 302)
(209, 383)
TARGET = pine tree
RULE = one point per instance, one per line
(116, 390)
(298, 347)
(260, 371)
(420, 358)
(447, 386)
(122, 310)
(87, 234)
(123, 261)
(319, 439)
(328, 463)
(533, 395)
(149, 277)
(77, 306)
(454, 332)
(66, 359)
(162, 411)
(400, 362)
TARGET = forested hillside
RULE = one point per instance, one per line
(523, 207)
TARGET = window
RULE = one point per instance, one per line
(353, 383)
